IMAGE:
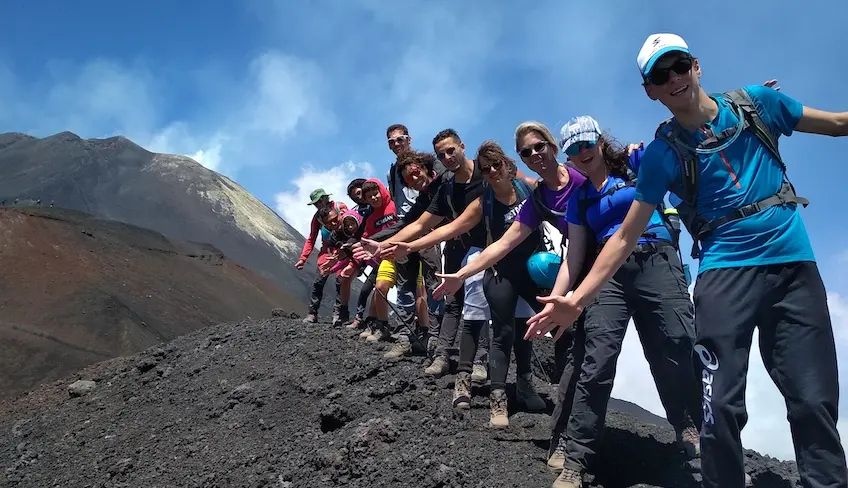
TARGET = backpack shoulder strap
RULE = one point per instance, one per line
(488, 203)
(670, 132)
(390, 179)
(740, 98)
(522, 189)
(544, 212)
(449, 197)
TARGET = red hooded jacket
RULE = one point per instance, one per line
(381, 217)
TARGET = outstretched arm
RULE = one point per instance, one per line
(414, 230)
(470, 217)
(816, 121)
(513, 236)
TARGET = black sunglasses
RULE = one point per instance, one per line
(660, 76)
(487, 169)
(539, 148)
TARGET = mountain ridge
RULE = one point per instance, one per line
(115, 178)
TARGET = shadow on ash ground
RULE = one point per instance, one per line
(275, 403)
(76, 290)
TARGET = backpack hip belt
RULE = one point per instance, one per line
(700, 227)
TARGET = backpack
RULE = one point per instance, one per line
(673, 134)
(522, 192)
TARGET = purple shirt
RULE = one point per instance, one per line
(554, 200)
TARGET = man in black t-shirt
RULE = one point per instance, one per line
(453, 195)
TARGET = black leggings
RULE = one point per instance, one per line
(365, 292)
(502, 291)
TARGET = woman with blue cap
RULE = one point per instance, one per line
(650, 288)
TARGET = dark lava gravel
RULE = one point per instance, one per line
(277, 403)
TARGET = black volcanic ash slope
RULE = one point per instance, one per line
(273, 403)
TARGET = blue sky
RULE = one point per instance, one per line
(284, 98)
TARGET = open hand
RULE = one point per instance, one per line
(633, 147)
(559, 312)
(772, 84)
(365, 249)
(451, 283)
(348, 270)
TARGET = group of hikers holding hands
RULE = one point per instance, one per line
(461, 239)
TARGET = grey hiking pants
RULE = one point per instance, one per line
(569, 351)
(788, 305)
(430, 262)
(650, 287)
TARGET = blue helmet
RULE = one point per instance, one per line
(543, 268)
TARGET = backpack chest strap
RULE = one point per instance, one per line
(785, 196)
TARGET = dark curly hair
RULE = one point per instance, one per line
(424, 159)
(615, 156)
(489, 153)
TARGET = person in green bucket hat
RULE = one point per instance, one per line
(321, 199)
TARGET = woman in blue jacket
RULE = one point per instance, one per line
(650, 288)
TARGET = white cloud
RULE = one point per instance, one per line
(237, 123)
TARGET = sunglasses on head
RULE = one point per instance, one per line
(538, 148)
(574, 149)
(660, 76)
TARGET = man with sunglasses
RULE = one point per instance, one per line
(453, 194)
(428, 262)
(757, 267)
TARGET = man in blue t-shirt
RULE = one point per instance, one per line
(757, 269)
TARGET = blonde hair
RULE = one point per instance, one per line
(539, 128)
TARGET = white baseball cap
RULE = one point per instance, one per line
(655, 46)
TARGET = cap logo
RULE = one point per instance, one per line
(656, 41)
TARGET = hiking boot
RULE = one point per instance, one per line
(568, 478)
(462, 391)
(379, 334)
(440, 366)
(557, 459)
(358, 323)
(400, 348)
(311, 318)
(367, 331)
(479, 373)
(689, 440)
(499, 418)
(432, 345)
(337, 319)
(526, 393)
